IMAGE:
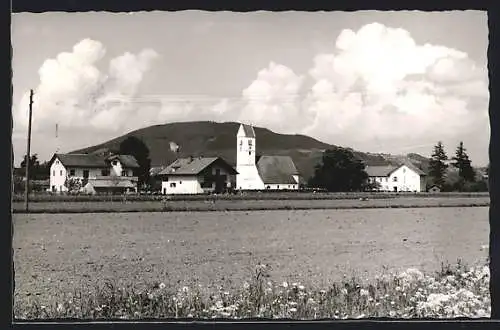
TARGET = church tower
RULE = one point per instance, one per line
(248, 176)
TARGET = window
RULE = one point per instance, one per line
(250, 153)
(241, 145)
(124, 173)
(105, 172)
(115, 162)
(385, 179)
(53, 172)
(85, 174)
(293, 186)
(395, 179)
(278, 187)
(404, 170)
(60, 172)
(217, 172)
(60, 188)
(172, 185)
(180, 182)
(268, 187)
(250, 143)
(164, 191)
(71, 172)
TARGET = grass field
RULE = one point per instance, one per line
(56, 253)
(123, 205)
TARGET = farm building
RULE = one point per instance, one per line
(96, 173)
(262, 172)
(405, 177)
(197, 175)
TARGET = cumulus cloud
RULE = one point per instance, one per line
(74, 93)
(378, 84)
(272, 95)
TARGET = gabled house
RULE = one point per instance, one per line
(262, 172)
(96, 173)
(405, 177)
(197, 175)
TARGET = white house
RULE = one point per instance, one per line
(95, 172)
(405, 177)
(262, 172)
(197, 175)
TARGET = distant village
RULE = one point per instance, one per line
(103, 174)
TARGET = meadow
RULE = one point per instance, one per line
(125, 256)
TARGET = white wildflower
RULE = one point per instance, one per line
(246, 286)
(162, 286)
(60, 308)
(301, 287)
(293, 310)
(363, 292)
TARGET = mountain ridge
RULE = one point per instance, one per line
(208, 138)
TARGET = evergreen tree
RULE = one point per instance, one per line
(437, 165)
(339, 171)
(463, 164)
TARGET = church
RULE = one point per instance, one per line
(265, 172)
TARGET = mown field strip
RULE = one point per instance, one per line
(43, 198)
(246, 205)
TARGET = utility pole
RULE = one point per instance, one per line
(27, 161)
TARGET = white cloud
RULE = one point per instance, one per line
(74, 93)
(272, 97)
(378, 84)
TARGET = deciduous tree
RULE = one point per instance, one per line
(136, 147)
(339, 171)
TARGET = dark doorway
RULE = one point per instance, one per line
(220, 182)
(395, 189)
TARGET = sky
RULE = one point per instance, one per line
(391, 82)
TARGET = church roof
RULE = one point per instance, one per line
(276, 169)
(248, 131)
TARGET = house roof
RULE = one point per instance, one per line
(193, 166)
(248, 131)
(276, 169)
(153, 171)
(386, 170)
(93, 160)
(380, 170)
